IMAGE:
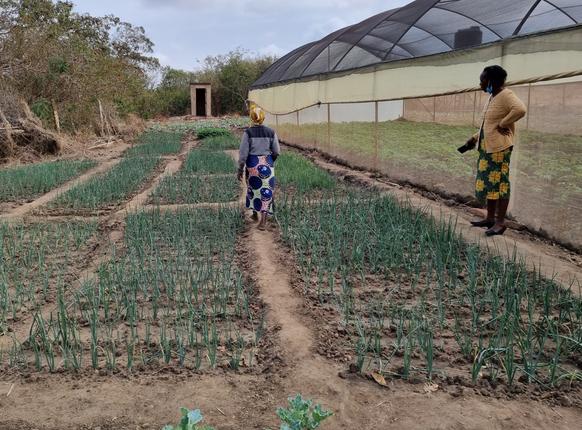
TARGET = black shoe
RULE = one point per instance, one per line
(493, 232)
(483, 223)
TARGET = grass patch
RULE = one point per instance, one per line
(196, 189)
(27, 182)
(429, 151)
(153, 143)
(209, 162)
(109, 188)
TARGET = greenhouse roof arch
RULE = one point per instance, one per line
(420, 29)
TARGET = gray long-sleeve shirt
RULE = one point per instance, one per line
(258, 140)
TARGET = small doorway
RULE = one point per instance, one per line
(201, 102)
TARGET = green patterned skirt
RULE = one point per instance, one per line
(493, 175)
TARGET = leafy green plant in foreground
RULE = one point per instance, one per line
(190, 421)
(302, 415)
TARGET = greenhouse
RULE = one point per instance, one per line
(398, 92)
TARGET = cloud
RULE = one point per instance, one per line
(272, 50)
(185, 31)
(264, 6)
(322, 28)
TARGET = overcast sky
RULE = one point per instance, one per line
(185, 31)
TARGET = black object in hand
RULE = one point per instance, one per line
(466, 147)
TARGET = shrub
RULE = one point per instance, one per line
(203, 133)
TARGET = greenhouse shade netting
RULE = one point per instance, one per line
(422, 28)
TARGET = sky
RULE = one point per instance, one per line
(187, 31)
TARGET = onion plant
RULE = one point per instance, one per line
(509, 323)
(30, 181)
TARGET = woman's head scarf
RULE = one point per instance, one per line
(257, 114)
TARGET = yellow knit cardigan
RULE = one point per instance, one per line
(504, 110)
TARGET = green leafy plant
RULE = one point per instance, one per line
(190, 421)
(42, 109)
(295, 171)
(204, 132)
(154, 142)
(209, 162)
(302, 415)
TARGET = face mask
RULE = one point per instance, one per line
(489, 88)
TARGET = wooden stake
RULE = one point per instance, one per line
(56, 117)
(8, 131)
(376, 140)
(101, 117)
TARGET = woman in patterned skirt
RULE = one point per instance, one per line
(495, 141)
(259, 149)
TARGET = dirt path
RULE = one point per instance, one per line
(173, 165)
(362, 404)
(231, 401)
(553, 262)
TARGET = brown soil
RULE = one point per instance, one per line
(234, 401)
(298, 336)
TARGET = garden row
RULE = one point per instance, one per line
(412, 300)
(170, 290)
(394, 291)
(24, 183)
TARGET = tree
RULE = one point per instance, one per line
(51, 54)
(173, 92)
(231, 76)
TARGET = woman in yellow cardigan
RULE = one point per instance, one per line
(495, 141)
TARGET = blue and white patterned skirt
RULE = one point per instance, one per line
(260, 183)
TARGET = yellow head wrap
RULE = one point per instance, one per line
(257, 114)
